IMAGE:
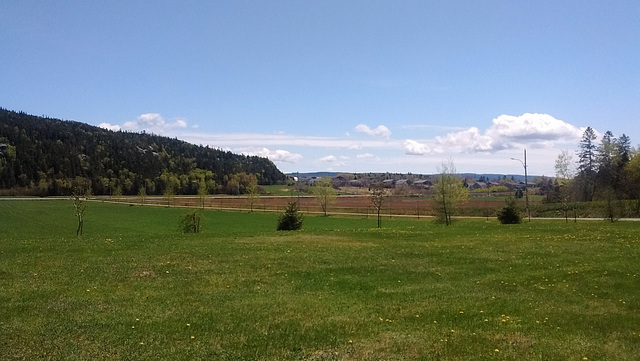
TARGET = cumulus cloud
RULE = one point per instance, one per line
(380, 131)
(533, 127)
(509, 132)
(328, 159)
(114, 127)
(276, 156)
(506, 132)
(412, 147)
(151, 122)
(333, 160)
(469, 140)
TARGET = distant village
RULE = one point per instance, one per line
(477, 183)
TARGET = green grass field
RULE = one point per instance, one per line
(134, 288)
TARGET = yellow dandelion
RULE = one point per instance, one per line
(496, 350)
(192, 337)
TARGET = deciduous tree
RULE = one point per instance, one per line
(324, 193)
(449, 191)
(378, 196)
(79, 210)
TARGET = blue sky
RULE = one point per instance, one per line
(353, 86)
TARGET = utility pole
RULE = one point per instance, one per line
(298, 187)
(526, 182)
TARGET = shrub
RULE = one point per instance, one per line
(190, 223)
(510, 213)
(291, 219)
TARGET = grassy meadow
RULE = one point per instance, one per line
(134, 288)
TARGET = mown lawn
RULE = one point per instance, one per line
(134, 288)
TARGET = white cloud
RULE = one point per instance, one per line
(276, 156)
(333, 160)
(365, 156)
(412, 147)
(328, 159)
(380, 131)
(469, 140)
(180, 123)
(512, 132)
(289, 140)
(114, 127)
(532, 127)
(151, 122)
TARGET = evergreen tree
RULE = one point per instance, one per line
(291, 219)
(587, 164)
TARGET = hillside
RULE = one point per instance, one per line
(47, 156)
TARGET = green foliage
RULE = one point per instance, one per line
(291, 219)
(510, 214)
(449, 191)
(190, 223)
(57, 156)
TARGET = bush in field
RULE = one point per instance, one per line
(510, 213)
(190, 223)
(291, 219)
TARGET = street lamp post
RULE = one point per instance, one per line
(526, 182)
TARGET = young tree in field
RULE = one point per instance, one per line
(291, 219)
(202, 192)
(252, 194)
(169, 195)
(79, 209)
(142, 193)
(190, 223)
(510, 214)
(378, 196)
(564, 177)
(324, 193)
(449, 191)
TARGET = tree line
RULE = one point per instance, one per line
(46, 156)
(607, 171)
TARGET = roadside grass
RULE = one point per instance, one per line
(133, 287)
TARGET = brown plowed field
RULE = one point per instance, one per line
(344, 204)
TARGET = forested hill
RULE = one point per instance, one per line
(47, 156)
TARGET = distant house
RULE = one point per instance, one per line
(402, 182)
(389, 183)
(311, 180)
(477, 185)
(340, 181)
(423, 183)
